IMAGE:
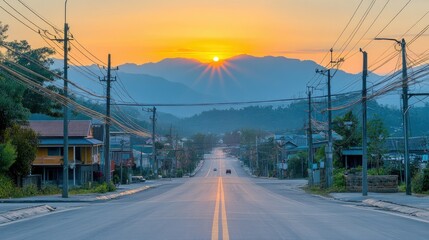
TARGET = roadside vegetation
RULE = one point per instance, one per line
(8, 189)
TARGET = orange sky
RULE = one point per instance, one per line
(141, 31)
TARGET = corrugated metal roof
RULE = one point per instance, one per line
(55, 128)
(352, 152)
(72, 141)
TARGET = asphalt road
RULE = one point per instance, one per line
(216, 205)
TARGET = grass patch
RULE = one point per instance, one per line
(9, 190)
(325, 192)
(93, 188)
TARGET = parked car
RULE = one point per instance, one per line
(228, 171)
(136, 179)
(215, 169)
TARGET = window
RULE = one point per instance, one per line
(55, 151)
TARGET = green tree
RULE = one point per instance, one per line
(377, 135)
(347, 127)
(20, 55)
(25, 141)
(320, 154)
(38, 61)
(297, 165)
(11, 108)
(267, 156)
(7, 156)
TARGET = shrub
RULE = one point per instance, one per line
(50, 190)
(102, 188)
(420, 182)
(111, 187)
(417, 183)
(7, 187)
(30, 190)
(426, 180)
(179, 173)
(339, 183)
(377, 171)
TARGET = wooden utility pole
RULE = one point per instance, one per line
(66, 39)
(405, 114)
(107, 167)
(155, 160)
(329, 150)
(310, 140)
(364, 127)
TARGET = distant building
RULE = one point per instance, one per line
(120, 149)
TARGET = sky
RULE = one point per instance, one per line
(141, 31)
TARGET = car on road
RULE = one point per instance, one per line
(228, 171)
(215, 169)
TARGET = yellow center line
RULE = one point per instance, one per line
(215, 226)
(220, 201)
(225, 231)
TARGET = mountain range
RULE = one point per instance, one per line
(241, 78)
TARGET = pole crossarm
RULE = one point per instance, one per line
(417, 94)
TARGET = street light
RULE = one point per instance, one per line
(404, 110)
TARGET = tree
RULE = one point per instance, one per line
(346, 127)
(12, 110)
(37, 62)
(377, 135)
(267, 156)
(7, 156)
(25, 141)
(297, 165)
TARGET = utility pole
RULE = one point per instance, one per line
(310, 140)
(329, 160)
(141, 162)
(155, 161)
(405, 108)
(364, 128)
(405, 117)
(257, 154)
(107, 167)
(65, 193)
(329, 150)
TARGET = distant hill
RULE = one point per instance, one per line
(141, 88)
(244, 77)
(240, 78)
(290, 118)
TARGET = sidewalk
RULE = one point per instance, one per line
(413, 205)
(32, 206)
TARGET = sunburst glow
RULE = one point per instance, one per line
(216, 58)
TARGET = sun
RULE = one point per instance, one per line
(216, 59)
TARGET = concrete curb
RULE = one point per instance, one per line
(14, 215)
(24, 213)
(75, 199)
(198, 168)
(124, 193)
(417, 212)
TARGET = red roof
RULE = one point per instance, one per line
(55, 128)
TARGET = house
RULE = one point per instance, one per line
(120, 149)
(418, 148)
(84, 151)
